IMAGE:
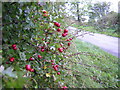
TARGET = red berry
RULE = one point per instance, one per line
(14, 45)
(70, 39)
(60, 49)
(53, 63)
(58, 29)
(14, 48)
(42, 47)
(64, 87)
(48, 42)
(45, 15)
(65, 31)
(28, 67)
(58, 73)
(42, 50)
(52, 60)
(44, 11)
(12, 59)
(7, 62)
(43, 39)
(63, 47)
(64, 34)
(39, 56)
(31, 59)
(69, 44)
(57, 66)
(31, 70)
(57, 24)
(67, 40)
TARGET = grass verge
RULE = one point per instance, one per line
(94, 69)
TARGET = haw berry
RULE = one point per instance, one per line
(57, 66)
(31, 59)
(14, 45)
(42, 50)
(12, 59)
(43, 39)
(70, 38)
(65, 31)
(7, 62)
(57, 24)
(67, 40)
(28, 67)
(53, 63)
(48, 42)
(69, 44)
(58, 73)
(58, 29)
(60, 49)
(42, 47)
(63, 47)
(31, 70)
(52, 60)
(45, 15)
(64, 34)
(64, 87)
(39, 56)
(44, 11)
(14, 48)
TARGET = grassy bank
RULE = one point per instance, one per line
(109, 32)
(94, 69)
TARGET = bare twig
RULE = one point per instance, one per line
(83, 53)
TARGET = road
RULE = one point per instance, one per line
(107, 43)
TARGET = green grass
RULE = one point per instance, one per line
(101, 72)
(109, 32)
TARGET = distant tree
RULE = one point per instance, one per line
(78, 10)
(97, 13)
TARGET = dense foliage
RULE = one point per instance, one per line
(35, 43)
(39, 52)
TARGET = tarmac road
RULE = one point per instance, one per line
(107, 43)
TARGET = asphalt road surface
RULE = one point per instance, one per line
(107, 43)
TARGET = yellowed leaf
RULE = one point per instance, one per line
(47, 74)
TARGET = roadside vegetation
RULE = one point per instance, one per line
(38, 51)
(109, 32)
(97, 68)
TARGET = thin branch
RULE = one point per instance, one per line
(83, 53)
(93, 78)
(15, 22)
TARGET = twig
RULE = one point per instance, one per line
(83, 53)
(93, 78)
(15, 22)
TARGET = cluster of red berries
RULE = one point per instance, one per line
(65, 33)
(45, 13)
(69, 39)
(55, 67)
(57, 24)
(14, 47)
(28, 68)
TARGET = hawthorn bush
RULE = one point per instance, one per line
(38, 51)
(34, 46)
